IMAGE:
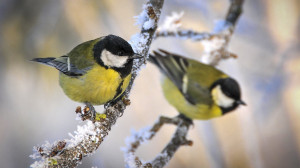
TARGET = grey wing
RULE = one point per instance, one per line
(198, 93)
(63, 65)
(174, 67)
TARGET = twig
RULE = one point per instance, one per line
(186, 34)
(88, 137)
(216, 48)
(146, 134)
(234, 12)
(215, 43)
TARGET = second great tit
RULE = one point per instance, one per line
(95, 72)
(196, 90)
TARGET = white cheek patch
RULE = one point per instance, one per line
(220, 98)
(112, 60)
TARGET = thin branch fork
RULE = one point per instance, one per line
(89, 137)
(231, 18)
(138, 138)
(215, 43)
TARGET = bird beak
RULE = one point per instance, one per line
(241, 102)
(136, 56)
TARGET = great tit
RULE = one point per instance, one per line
(196, 90)
(95, 72)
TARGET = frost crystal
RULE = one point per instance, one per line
(221, 25)
(141, 136)
(82, 132)
(130, 160)
(172, 23)
(35, 155)
(213, 44)
(37, 164)
(143, 19)
(149, 24)
(139, 41)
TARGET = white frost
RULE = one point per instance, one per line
(213, 44)
(139, 42)
(144, 134)
(149, 24)
(38, 164)
(141, 136)
(172, 23)
(82, 132)
(130, 160)
(211, 48)
(211, 54)
(46, 149)
(143, 19)
(221, 25)
(35, 155)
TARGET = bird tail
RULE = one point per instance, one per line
(46, 61)
(169, 63)
(153, 60)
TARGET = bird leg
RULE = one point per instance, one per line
(114, 101)
(92, 110)
(186, 119)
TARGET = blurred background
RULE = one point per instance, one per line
(33, 108)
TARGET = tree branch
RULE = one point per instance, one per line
(215, 49)
(69, 153)
(215, 43)
(146, 134)
(234, 12)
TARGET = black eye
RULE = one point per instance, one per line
(120, 53)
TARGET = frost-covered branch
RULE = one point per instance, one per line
(87, 138)
(215, 49)
(215, 43)
(146, 134)
(171, 27)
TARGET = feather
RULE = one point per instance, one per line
(63, 65)
(174, 67)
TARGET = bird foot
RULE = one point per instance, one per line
(186, 119)
(91, 111)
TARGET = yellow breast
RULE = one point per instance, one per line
(198, 111)
(97, 86)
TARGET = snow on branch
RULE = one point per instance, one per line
(87, 138)
(171, 27)
(146, 134)
(215, 49)
(215, 43)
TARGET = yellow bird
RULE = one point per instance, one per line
(196, 90)
(95, 72)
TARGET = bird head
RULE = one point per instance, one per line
(113, 51)
(226, 94)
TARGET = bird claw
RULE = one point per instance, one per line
(186, 119)
(90, 108)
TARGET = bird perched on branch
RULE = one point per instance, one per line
(95, 72)
(196, 90)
